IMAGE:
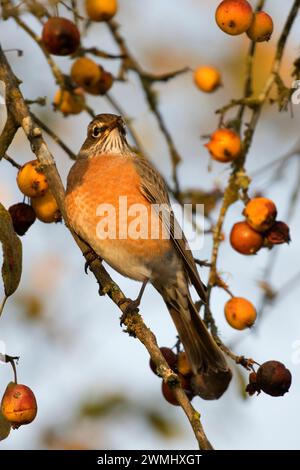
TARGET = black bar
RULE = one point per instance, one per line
(137, 458)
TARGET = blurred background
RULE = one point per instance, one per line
(93, 384)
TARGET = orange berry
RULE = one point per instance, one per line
(69, 103)
(60, 36)
(183, 364)
(85, 72)
(46, 208)
(18, 405)
(225, 145)
(207, 78)
(31, 179)
(260, 213)
(261, 28)
(234, 16)
(101, 10)
(245, 240)
(240, 313)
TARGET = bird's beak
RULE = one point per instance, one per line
(118, 123)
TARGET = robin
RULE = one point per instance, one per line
(106, 172)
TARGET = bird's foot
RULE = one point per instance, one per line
(132, 306)
(90, 257)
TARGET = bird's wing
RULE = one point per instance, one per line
(154, 189)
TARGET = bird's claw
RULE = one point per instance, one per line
(90, 257)
(130, 308)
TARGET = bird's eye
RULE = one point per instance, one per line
(97, 130)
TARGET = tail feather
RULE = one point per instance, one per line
(202, 351)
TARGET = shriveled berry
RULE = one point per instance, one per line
(279, 233)
(274, 378)
(23, 216)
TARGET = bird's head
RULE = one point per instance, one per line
(105, 134)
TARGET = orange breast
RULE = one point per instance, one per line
(103, 197)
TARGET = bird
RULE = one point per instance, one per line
(108, 171)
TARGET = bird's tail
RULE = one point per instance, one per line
(202, 351)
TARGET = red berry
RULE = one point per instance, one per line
(169, 356)
(168, 392)
(23, 216)
(18, 405)
(60, 36)
(279, 233)
(273, 378)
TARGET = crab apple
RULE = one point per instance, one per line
(245, 240)
(85, 72)
(169, 356)
(260, 213)
(224, 145)
(183, 364)
(102, 85)
(240, 313)
(31, 179)
(69, 102)
(18, 405)
(261, 28)
(273, 378)
(60, 36)
(207, 78)
(279, 233)
(234, 16)
(22, 216)
(46, 208)
(169, 394)
(101, 10)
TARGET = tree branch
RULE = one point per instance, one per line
(17, 107)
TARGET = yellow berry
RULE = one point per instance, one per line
(85, 72)
(46, 208)
(207, 78)
(261, 28)
(31, 179)
(260, 213)
(101, 10)
(240, 313)
(69, 103)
